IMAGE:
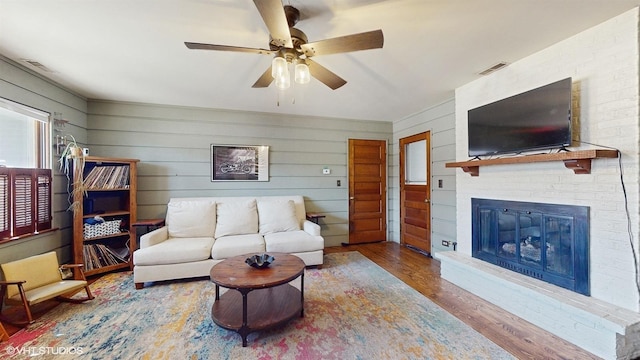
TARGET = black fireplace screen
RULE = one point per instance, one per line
(549, 242)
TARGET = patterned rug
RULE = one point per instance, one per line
(354, 309)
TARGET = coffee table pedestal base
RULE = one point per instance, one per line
(246, 310)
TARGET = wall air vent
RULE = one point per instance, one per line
(37, 64)
(495, 67)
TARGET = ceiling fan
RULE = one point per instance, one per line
(291, 44)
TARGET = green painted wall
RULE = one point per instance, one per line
(173, 145)
(23, 86)
(440, 121)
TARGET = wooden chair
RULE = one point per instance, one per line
(36, 279)
(4, 335)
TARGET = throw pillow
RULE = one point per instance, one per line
(237, 218)
(191, 218)
(277, 216)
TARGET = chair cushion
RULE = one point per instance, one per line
(36, 270)
(47, 292)
(191, 219)
(277, 216)
(293, 242)
(175, 251)
(236, 218)
(233, 245)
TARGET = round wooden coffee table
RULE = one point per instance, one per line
(264, 298)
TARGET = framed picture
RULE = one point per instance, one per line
(239, 163)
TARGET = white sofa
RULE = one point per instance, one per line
(200, 232)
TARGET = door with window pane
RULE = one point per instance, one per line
(415, 195)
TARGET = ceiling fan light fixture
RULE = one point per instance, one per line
(290, 45)
(302, 74)
(279, 67)
(283, 81)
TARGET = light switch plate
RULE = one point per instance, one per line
(326, 171)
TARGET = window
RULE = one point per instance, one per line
(416, 163)
(25, 174)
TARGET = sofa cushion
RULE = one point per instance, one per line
(293, 242)
(277, 216)
(233, 245)
(236, 218)
(193, 218)
(175, 251)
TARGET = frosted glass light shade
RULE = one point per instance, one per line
(283, 81)
(302, 74)
(278, 67)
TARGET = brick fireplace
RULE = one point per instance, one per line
(603, 63)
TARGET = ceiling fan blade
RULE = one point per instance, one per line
(265, 79)
(273, 15)
(362, 41)
(199, 46)
(324, 75)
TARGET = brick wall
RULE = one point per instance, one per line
(603, 62)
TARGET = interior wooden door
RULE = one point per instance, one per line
(367, 191)
(415, 194)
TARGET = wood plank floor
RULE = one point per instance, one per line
(517, 336)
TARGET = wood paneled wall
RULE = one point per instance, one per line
(440, 121)
(27, 87)
(173, 145)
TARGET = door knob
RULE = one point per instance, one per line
(427, 200)
(352, 198)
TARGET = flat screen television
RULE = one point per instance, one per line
(534, 120)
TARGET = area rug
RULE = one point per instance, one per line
(354, 309)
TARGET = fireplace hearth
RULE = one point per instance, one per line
(549, 242)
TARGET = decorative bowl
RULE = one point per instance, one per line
(260, 261)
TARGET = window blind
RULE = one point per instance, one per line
(25, 201)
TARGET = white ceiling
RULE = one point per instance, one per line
(133, 50)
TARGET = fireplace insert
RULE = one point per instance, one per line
(549, 242)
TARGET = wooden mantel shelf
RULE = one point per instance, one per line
(578, 161)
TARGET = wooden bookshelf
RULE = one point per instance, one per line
(578, 161)
(111, 194)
